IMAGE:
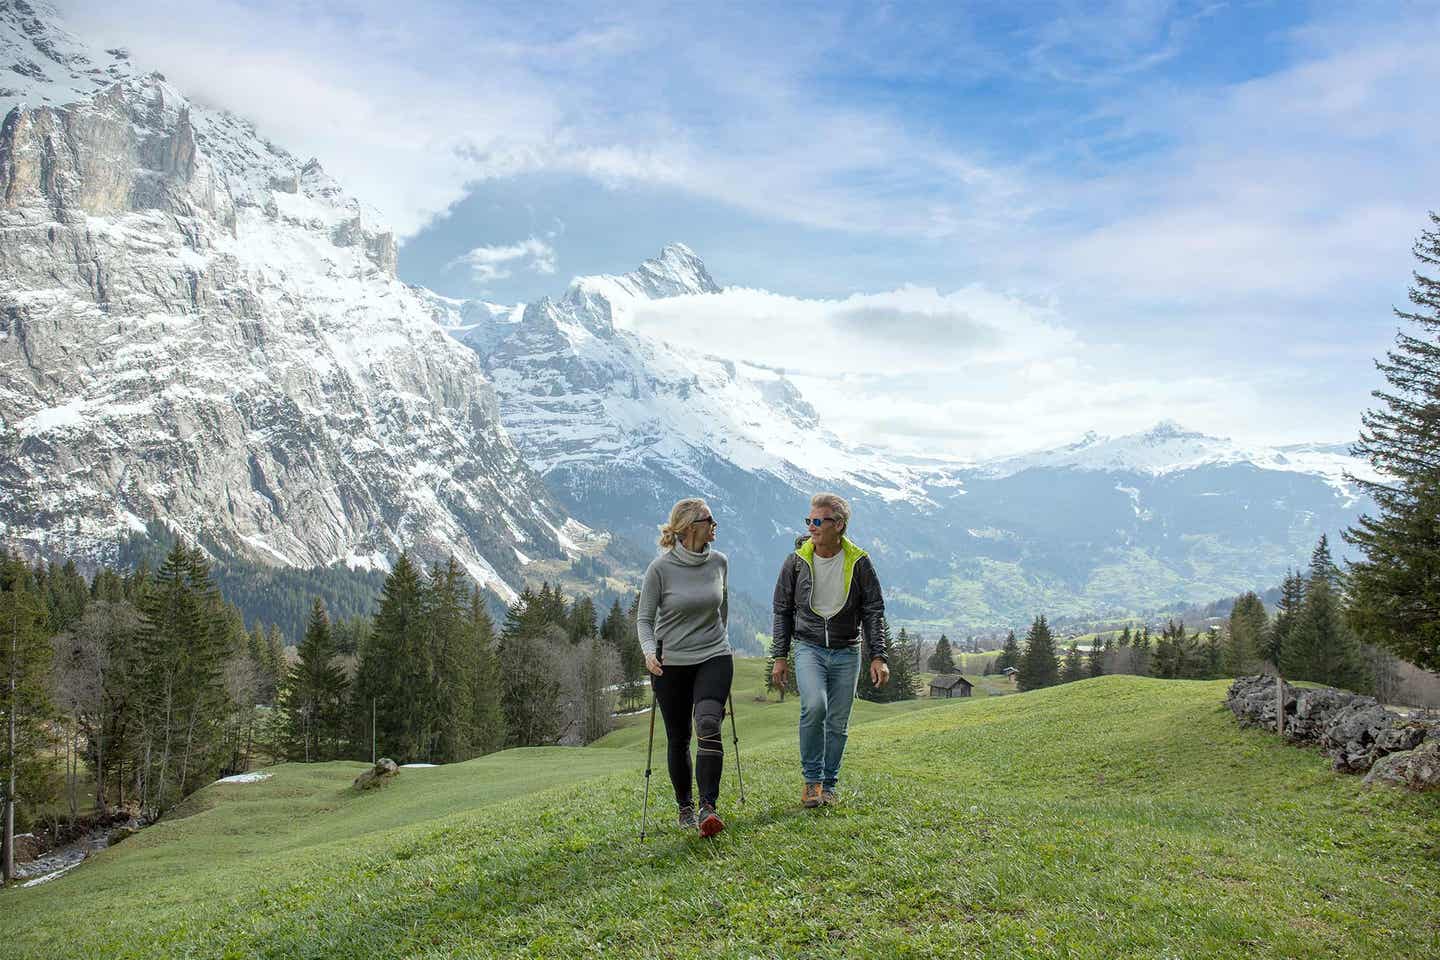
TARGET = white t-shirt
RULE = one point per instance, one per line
(827, 595)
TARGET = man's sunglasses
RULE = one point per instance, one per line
(812, 522)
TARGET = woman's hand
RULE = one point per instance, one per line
(879, 672)
(652, 664)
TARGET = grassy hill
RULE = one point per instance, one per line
(1114, 817)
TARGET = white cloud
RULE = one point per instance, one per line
(1287, 190)
(968, 373)
(905, 330)
(408, 108)
(496, 262)
(1258, 228)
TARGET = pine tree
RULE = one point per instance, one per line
(1074, 667)
(1009, 654)
(550, 605)
(66, 594)
(1132, 652)
(1244, 636)
(1095, 660)
(314, 695)
(25, 660)
(259, 654)
(616, 632)
(1141, 648)
(531, 688)
(388, 674)
(1395, 588)
(1171, 659)
(582, 620)
(904, 684)
(275, 652)
(94, 674)
(1213, 656)
(1320, 646)
(108, 586)
(180, 685)
(942, 660)
(1287, 614)
(487, 722)
(446, 722)
(904, 681)
(1038, 667)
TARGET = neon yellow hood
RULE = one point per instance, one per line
(806, 552)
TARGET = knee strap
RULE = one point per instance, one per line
(709, 716)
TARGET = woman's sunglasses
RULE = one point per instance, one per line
(812, 522)
(709, 520)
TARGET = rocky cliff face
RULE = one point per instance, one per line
(199, 329)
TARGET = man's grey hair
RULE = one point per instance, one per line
(836, 504)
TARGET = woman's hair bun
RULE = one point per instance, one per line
(684, 513)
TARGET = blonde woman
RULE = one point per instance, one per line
(683, 624)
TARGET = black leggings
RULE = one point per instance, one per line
(698, 691)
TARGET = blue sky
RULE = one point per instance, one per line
(1196, 211)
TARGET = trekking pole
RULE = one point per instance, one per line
(649, 752)
(733, 733)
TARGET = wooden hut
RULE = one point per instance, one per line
(950, 685)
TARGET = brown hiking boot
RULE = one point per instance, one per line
(828, 797)
(810, 797)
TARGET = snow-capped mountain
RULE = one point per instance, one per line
(622, 424)
(199, 329)
(1169, 448)
(1140, 522)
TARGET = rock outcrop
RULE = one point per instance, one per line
(382, 773)
(1418, 769)
(1353, 730)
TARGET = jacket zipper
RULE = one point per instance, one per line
(812, 606)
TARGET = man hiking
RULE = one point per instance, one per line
(827, 591)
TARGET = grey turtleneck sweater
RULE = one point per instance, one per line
(685, 606)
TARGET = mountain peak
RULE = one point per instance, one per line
(1170, 430)
(48, 66)
(599, 303)
(678, 271)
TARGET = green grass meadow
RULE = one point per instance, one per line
(1116, 817)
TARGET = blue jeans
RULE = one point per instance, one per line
(827, 679)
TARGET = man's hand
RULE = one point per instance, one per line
(879, 672)
(778, 673)
(652, 664)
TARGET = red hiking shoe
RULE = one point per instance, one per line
(710, 822)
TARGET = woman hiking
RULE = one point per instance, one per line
(683, 623)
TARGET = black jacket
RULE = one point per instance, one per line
(796, 619)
